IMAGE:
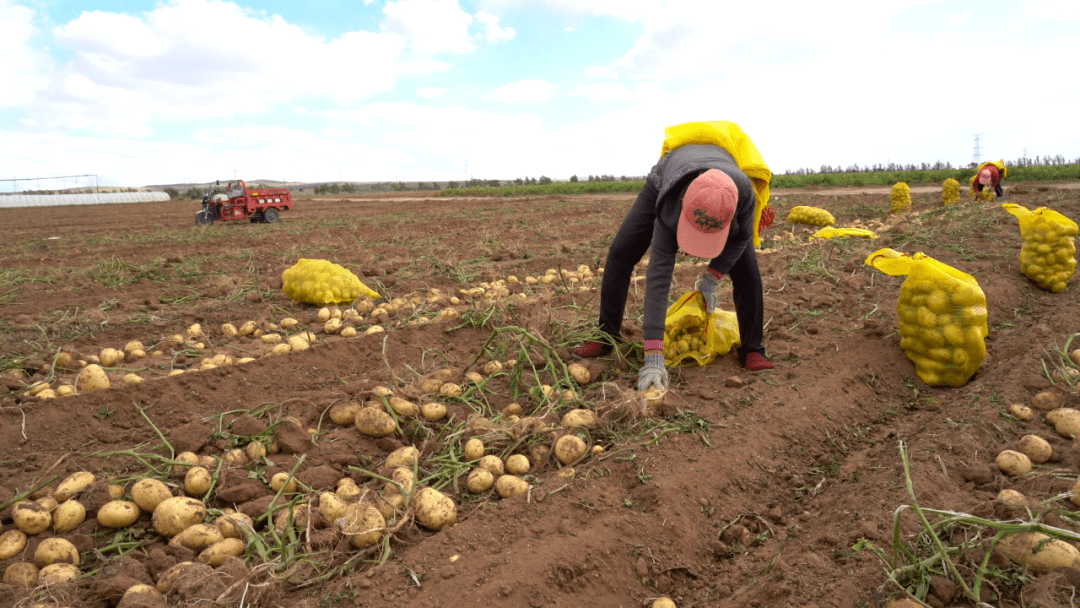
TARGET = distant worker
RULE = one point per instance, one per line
(705, 196)
(989, 175)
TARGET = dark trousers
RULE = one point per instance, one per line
(629, 246)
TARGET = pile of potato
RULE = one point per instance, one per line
(900, 197)
(943, 330)
(814, 216)
(1048, 256)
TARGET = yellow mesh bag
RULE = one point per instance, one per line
(900, 197)
(837, 233)
(323, 283)
(1048, 256)
(815, 216)
(950, 192)
(691, 334)
(942, 317)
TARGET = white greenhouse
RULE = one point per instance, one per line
(99, 198)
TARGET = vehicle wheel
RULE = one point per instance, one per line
(271, 215)
(203, 218)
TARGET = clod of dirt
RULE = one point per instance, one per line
(127, 567)
(157, 561)
(246, 425)
(1056, 588)
(240, 490)
(141, 600)
(292, 439)
(23, 320)
(110, 590)
(190, 437)
(319, 478)
(977, 474)
(197, 582)
(734, 382)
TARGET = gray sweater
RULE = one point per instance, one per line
(664, 187)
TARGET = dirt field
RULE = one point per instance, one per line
(752, 489)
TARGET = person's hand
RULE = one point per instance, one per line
(654, 373)
(707, 286)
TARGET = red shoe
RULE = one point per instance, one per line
(756, 362)
(591, 350)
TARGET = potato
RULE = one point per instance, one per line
(479, 480)
(198, 537)
(233, 525)
(390, 505)
(517, 464)
(297, 517)
(450, 389)
(1074, 490)
(343, 413)
(578, 418)
(323, 315)
(1012, 498)
(430, 385)
(364, 525)
(1046, 401)
(433, 411)
(514, 409)
(236, 457)
(1066, 421)
(403, 407)
(48, 502)
(109, 357)
(382, 391)
(1039, 552)
(229, 329)
(283, 480)
(1035, 448)
(374, 422)
(433, 509)
(1013, 463)
(148, 493)
(55, 550)
(21, 574)
(187, 458)
(92, 378)
(570, 449)
(474, 449)
(256, 450)
(167, 578)
(492, 463)
(491, 367)
(331, 507)
(347, 490)
(402, 481)
(12, 543)
(73, 484)
(405, 456)
(662, 602)
(118, 514)
(1021, 412)
(115, 491)
(69, 515)
(580, 373)
(474, 377)
(176, 514)
(217, 553)
(31, 517)
(197, 482)
(510, 485)
(142, 589)
(54, 574)
(288, 323)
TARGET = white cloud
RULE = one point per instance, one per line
(429, 92)
(629, 10)
(23, 69)
(523, 91)
(1067, 10)
(333, 133)
(601, 93)
(493, 33)
(429, 26)
(962, 17)
(300, 111)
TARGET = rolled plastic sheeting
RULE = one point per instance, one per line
(99, 198)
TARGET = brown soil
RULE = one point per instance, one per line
(752, 489)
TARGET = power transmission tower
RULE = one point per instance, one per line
(976, 155)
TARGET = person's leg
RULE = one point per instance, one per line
(747, 293)
(627, 248)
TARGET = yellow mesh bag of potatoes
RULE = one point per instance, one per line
(803, 214)
(1048, 256)
(900, 197)
(942, 317)
(323, 283)
(841, 233)
(690, 333)
(950, 192)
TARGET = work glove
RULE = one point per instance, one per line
(707, 286)
(654, 373)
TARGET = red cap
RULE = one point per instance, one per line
(985, 177)
(707, 209)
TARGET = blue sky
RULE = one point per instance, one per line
(173, 91)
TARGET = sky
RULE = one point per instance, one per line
(186, 91)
